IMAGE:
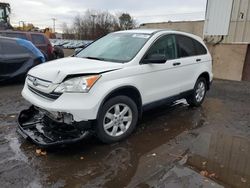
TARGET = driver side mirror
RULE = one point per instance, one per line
(156, 59)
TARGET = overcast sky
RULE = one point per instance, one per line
(40, 12)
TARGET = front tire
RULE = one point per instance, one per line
(117, 119)
(198, 94)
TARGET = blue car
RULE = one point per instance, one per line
(17, 57)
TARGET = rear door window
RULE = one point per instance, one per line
(38, 39)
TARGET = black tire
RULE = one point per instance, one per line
(58, 52)
(45, 56)
(101, 133)
(192, 99)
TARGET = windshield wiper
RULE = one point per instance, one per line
(95, 58)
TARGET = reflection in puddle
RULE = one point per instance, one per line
(225, 156)
(119, 164)
(159, 141)
(155, 144)
(180, 176)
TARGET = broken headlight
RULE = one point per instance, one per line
(77, 85)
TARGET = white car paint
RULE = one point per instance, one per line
(153, 81)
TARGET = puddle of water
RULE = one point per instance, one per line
(225, 156)
(180, 176)
(116, 165)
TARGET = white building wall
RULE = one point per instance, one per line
(238, 29)
(218, 17)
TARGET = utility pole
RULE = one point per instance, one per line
(54, 24)
(19, 23)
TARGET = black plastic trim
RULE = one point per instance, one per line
(28, 121)
(167, 100)
(52, 96)
(39, 78)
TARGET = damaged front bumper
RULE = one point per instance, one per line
(36, 126)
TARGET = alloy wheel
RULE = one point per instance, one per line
(117, 120)
(200, 91)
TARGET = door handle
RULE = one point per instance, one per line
(198, 60)
(176, 64)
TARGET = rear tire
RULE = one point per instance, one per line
(45, 56)
(117, 119)
(58, 52)
(198, 94)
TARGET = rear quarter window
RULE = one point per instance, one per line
(38, 39)
(200, 49)
(189, 47)
(186, 46)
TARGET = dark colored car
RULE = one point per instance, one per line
(17, 57)
(38, 39)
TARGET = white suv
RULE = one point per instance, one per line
(112, 81)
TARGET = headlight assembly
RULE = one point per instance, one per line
(77, 85)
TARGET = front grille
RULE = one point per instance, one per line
(51, 96)
(38, 82)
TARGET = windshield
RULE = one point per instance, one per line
(115, 47)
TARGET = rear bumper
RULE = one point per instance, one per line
(41, 130)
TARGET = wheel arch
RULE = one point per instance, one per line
(129, 91)
(207, 77)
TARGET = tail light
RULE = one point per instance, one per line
(50, 49)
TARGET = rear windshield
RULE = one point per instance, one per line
(38, 39)
(16, 35)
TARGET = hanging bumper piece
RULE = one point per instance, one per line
(37, 126)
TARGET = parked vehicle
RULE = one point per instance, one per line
(60, 43)
(70, 44)
(73, 44)
(107, 86)
(17, 56)
(80, 48)
(38, 39)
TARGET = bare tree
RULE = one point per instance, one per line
(67, 32)
(105, 23)
(94, 24)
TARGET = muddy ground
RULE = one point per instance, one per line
(173, 146)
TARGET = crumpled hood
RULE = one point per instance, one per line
(56, 71)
